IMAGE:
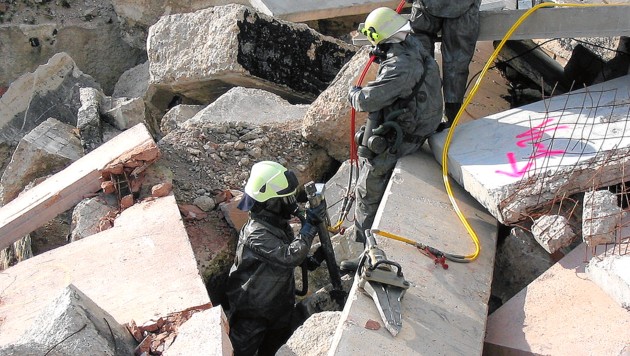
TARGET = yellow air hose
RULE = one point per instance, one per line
(473, 91)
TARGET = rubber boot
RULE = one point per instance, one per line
(450, 111)
(350, 265)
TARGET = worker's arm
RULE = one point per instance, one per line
(395, 80)
(274, 250)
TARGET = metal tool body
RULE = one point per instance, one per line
(315, 198)
(383, 280)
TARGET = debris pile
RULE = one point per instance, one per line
(155, 336)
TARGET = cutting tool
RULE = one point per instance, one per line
(384, 281)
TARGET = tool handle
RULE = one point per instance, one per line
(315, 199)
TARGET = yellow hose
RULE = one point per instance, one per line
(473, 91)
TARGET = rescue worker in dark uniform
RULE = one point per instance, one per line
(407, 93)
(458, 21)
(261, 286)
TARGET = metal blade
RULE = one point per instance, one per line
(387, 300)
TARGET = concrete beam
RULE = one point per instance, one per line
(561, 311)
(306, 10)
(444, 311)
(559, 22)
(140, 269)
(562, 22)
(65, 189)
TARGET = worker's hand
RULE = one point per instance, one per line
(308, 232)
(353, 90)
(316, 216)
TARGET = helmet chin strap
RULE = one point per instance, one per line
(397, 37)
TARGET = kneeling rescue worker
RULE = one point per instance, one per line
(261, 286)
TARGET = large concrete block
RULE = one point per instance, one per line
(140, 269)
(562, 312)
(201, 55)
(519, 160)
(47, 149)
(444, 310)
(327, 121)
(50, 91)
(72, 324)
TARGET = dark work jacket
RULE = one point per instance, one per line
(406, 63)
(261, 281)
(445, 8)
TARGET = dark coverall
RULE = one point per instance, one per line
(261, 286)
(403, 68)
(459, 22)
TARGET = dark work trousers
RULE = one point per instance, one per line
(373, 179)
(251, 335)
(459, 38)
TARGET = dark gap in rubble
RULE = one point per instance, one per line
(503, 231)
(622, 192)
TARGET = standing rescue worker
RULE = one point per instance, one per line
(406, 97)
(261, 286)
(458, 21)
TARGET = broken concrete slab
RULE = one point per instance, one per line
(124, 113)
(313, 338)
(116, 268)
(612, 274)
(205, 333)
(89, 118)
(247, 48)
(52, 90)
(138, 15)
(601, 218)
(73, 324)
(553, 232)
(561, 310)
(90, 215)
(178, 115)
(444, 311)
(249, 105)
(133, 83)
(516, 161)
(47, 149)
(68, 187)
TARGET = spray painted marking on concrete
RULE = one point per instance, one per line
(533, 137)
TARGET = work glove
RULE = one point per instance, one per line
(351, 92)
(317, 215)
(315, 260)
(308, 232)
